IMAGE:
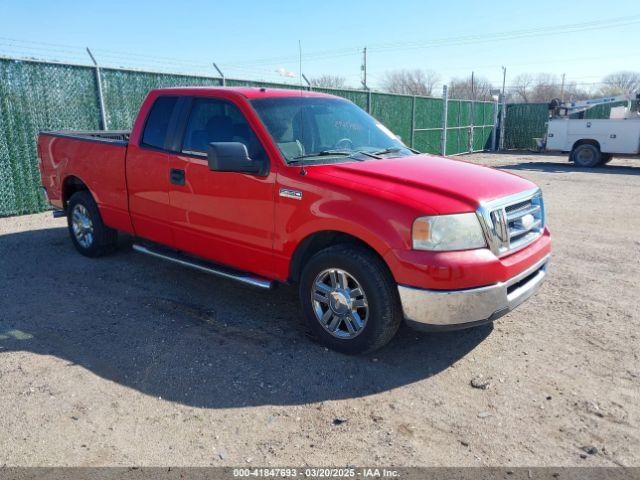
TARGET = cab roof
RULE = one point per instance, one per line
(247, 92)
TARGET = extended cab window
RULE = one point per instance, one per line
(155, 130)
(213, 120)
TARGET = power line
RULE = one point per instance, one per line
(327, 54)
(461, 40)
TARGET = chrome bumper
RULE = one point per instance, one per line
(452, 309)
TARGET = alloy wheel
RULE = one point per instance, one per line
(339, 303)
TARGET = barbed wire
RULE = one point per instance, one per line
(12, 47)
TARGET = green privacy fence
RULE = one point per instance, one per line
(461, 138)
(37, 95)
(470, 125)
(523, 123)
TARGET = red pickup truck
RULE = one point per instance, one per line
(268, 186)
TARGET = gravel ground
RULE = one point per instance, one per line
(129, 360)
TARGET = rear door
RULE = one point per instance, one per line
(227, 217)
(148, 172)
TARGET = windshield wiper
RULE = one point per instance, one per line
(323, 153)
(388, 150)
(330, 153)
(395, 150)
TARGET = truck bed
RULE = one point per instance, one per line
(95, 158)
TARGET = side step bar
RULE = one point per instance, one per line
(247, 278)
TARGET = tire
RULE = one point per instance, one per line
(90, 236)
(586, 155)
(368, 282)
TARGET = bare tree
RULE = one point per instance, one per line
(621, 82)
(465, 89)
(328, 81)
(546, 87)
(522, 88)
(410, 82)
(543, 87)
(573, 92)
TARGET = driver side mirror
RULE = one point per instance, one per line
(231, 157)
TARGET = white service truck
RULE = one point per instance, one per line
(592, 142)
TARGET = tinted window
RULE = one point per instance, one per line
(155, 130)
(213, 120)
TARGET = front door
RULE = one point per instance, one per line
(147, 168)
(226, 217)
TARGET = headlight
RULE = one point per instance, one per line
(461, 231)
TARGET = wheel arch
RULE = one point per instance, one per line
(320, 240)
(71, 185)
(585, 141)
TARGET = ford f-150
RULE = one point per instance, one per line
(269, 186)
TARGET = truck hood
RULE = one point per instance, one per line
(438, 183)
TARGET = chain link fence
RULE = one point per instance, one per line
(36, 95)
(124, 91)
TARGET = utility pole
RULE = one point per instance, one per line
(473, 92)
(364, 78)
(504, 79)
(364, 68)
(562, 89)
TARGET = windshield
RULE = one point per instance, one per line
(315, 127)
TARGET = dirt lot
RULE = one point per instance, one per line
(129, 360)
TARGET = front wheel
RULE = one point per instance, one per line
(349, 299)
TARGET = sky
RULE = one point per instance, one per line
(260, 39)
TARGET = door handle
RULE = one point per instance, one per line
(177, 176)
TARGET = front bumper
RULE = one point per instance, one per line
(456, 309)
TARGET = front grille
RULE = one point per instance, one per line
(524, 222)
(514, 222)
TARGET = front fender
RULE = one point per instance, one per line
(379, 219)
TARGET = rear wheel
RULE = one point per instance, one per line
(89, 234)
(586, 155)
(349, 299)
